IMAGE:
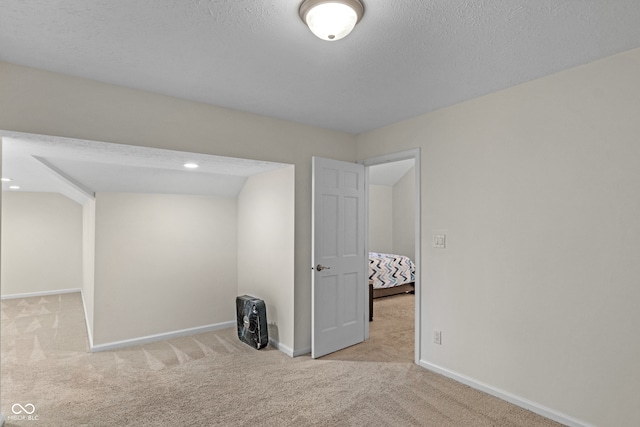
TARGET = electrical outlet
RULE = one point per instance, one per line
(437, 337)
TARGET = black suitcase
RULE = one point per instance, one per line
(251, 315)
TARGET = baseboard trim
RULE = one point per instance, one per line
(283, 348)
(160, 337)
(302, 352)
(40, 294)
(86, 321)
(506, 396)
(288, 350)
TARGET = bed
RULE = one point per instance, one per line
(389, 274)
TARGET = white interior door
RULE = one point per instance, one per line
(338, 256)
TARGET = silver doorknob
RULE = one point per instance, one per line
(321, 267)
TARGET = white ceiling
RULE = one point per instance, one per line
(389, 173)
(78, 168)
(405, 58)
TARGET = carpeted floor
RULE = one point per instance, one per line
(213, 379)
(391, 334)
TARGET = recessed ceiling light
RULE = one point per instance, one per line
(14, 187)
(190, 165)
(5, 179)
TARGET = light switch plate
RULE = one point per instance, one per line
(439, 241)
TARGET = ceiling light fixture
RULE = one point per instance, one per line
(6, 179)
(190, 165)
(331, 19)
(14, 187)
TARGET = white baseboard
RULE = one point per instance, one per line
(283, 348)
(288, 350)
(506, 396)
(86, 321)
(159, 337)
(302, 352)
(40, 294)
(150, 338)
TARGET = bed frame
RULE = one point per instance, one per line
(402, 289)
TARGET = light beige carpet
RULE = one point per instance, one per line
(213, 379)
(391, 334)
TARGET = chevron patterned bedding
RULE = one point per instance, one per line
(389, 270)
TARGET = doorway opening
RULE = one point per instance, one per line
(392, 235)
(391, 250)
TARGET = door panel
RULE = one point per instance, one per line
(330, 225)
(339, 284)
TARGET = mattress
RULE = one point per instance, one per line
(390, 270)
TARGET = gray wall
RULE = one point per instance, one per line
(41, 243)
(266, 249)
(89, 262)
(392, 217)
(536, 294)
(404, 215)
(380, 218)
(163, 263)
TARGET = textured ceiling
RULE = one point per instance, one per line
(405, 58)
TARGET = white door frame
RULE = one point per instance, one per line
(394, 157)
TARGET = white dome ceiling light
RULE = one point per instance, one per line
(331, 19)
